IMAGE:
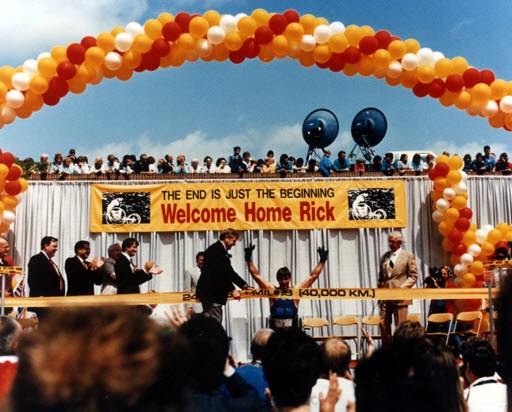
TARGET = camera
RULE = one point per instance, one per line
(434, 276)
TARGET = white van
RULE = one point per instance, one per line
(411, 153)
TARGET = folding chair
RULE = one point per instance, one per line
(373, 326)
(414, 318)
(437, 321)
(348, 321)
(315, 323)
(473, 318)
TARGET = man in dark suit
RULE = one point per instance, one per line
(82, 275)
(397, 270)
(217, 276)
(44, 277)
(128, 276)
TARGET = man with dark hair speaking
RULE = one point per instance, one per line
(82, 275)
(218, 276)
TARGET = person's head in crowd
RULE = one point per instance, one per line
(479, 156)
(195, 163)
(221, 162)
(169, 158)
(236, 150)
(57, 159)
(479, 359)
(259, 343)
(207, 161)
(312, 166)
(111, 158)
(44, 157)
(200, 259)
(377, 162)
(291, 159)
(49, 245)
(389, 157)
(299, 162)
(101, 359)
(10, 332)
(291, 366)
(229, 237)
(336, 355)
(130, 246)
(83, 249)
(504, 332)
(283, 159)
(246, 156)
(98, 162)
(487, 150)
(342, 155)
(180, 159)
(416, 159)
(209, 345)
(425, 379)
(4, 248)
(408, 331)
(284, 277)
(395, 241)
(114, 251)
(270, 153)
(467, 159)
(151, 160)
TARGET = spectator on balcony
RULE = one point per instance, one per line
(376, 164)
(152, 167)
(141, 165)
(208, 166)
(246, 159)
(359, 167)
(388, 165)
(269, 166)
(417, 164)
(181, 165)
(284, 166)
(168, 166)
(503, 165)
(238, 166)
(255, 166)
(222, 167)
(194, 166)
(325, 165)
(300, 167)
(430, 162)
(341, 164)
(312, 166)
(57, 163)
(236, 155)
(82, 165)
(468, 163)
(43, 166)
(68, 168)
(489, 159)
(112, 167)
(98, 168)
(479, 165)
(403, 164)
(127, 166)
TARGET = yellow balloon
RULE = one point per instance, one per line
(448, 98)
(38, 84)
(442, 159)
(440, 184)
(167, 17)
(350, 70)
(494, 236)
(367, 31)
(76, 87)
(10, 202)
(392, 81)
(444, 227)
(306, 59)
(459, 202)
(58, 54)
(247, 25)
(366, 67)
(508, 236)
(4, 171)
(198, 27)
(381, 58)
(124, 74)
(153, 28)
(142, 43)
(116, 30)
(460, 65)
(473, 227)
(338, 43)
(455, 162)
(477, 268)
(487, 249)
(469, 237)
(233, 41)
(262, 17)
(6, 73)
(33, 100)
(443, 67)
(500, 119)
(426, 74)
(47, 67)
(397, 49)
(468, 279)
(503, 228)
(447, 244)
(131, 59)
(321, 53)
(105, 41)
(84, 74)
(412, 46)
(463, 100)
(452, 214)
(353, 34)
(408, 79)
(480, 94)
(499, 89)
(94, 56)
(187, 42)
(280, 45)
(453, 177)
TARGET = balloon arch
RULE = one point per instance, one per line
(169, 41)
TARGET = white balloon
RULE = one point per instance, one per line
(449, 193)
(228, 23)
(216, 35)
(30, 67)
(437, 56)
(113, 61)
(437, 216)
(409, 61)
(43, 55)
(506, 104)
(487, 228)
(308, 43)
(425, 56)
(481, 236)
(337, 27)
(460, 188)
(442, 205)
(7, 114)
(466, 259)
(134, 28)
(464, 175)
(394, 69)
(474, 250)
(14, 99)
(322, 33)
(123, 41)
(8, 217)
(204, 48)
(20, 81)
(490, 109)
(460, 270)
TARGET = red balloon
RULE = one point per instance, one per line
(7, 158)
(183, 19)
(292, 16)
(368, 45)
(466, 212)
(322, 65)
(88, 42)
(161, 47)
(171, 31)
(437, 88)
(384, 38)
(66, 70)
(13, 187)
(337, 62)
(459, 249)
(150, 61)
(58, 87)
(76, 53)
(50, 99)
(263, 35)
(432, 174)
(421, 89)
(14, 173)
(487, 76)
(462, 224)
(236, 56)
(455, 236)
(454, 82)
(278, 23)
(471, 77)
(478, 284)
(352, 54)
(250, 48)
(442, 169)
(394, 38)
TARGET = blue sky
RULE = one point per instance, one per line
(207, 108)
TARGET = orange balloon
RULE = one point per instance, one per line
(412, 46)
(105, 41)
(469, 238)
(153, 28)
(338, 43)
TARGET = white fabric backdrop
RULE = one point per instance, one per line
(61, 209)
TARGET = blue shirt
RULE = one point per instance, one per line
(325, 166)
(338, 165)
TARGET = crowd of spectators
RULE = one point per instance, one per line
(240, 163)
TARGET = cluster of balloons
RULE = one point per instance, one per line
(171, 40)
(11, 186)
(468, 245)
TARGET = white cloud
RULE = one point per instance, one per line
(34, 26)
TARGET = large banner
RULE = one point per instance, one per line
(248, 206)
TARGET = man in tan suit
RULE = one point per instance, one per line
(397, 270)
